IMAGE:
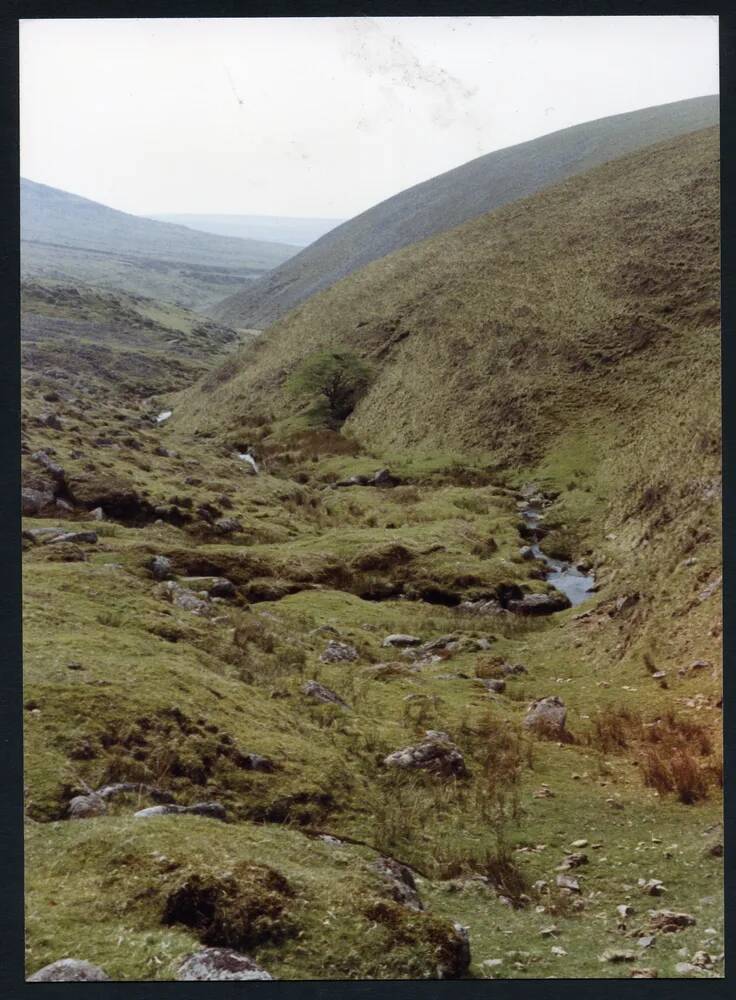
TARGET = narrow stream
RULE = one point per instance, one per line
(564, 576)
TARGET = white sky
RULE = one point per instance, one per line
(324, 116)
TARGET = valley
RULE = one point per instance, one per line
(430, 688)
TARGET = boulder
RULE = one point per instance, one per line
(227, 525)
(219, 965)
(211, 809)
(33, 502)
(317, 691)
(401, 641)
(436, 754)
(668, 921)
(399, 882)
(86, 806)
(69, 970)
(53, 468)
(538, 604)
(339, 652)
(546, 717)
(160, 567)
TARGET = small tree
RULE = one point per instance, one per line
(340, 377)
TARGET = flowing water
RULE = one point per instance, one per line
(564, 576)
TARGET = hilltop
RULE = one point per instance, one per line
(71, 239)
(457, 196)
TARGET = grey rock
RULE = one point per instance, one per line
(401, 641)
(69, 970)
(86, 806)
(482, 607)
(568, 883)
(211, 809)
(539, 604)
(33, 502)
(547, 717)
(317, 691)
(573, 861)
(436, 754)
(219, 965)
(78, 537)
(227, 525)
(53, 468)
(160, 567)
(97, 514)
(669, 921)
(183, 598)
(399, 881)
(339, 652)
(494, 685)
(132, 788)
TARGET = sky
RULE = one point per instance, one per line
(324, 116)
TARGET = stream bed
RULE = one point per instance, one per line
(564, 576)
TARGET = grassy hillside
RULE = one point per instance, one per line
(297, 231)
(566, 343)
(72, 239)
(457, 196)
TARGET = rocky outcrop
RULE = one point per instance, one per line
(219, 965)
(399, 882)
(547, 717)
(318, 692)
(339, 652)
(69, 970)
(436, 754)
(213, 810)
(538, 604)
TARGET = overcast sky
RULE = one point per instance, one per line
(324, 116)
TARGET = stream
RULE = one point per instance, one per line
(564, 576)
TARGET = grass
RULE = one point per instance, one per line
(123, 685)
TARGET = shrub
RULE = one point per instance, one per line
(339, 377)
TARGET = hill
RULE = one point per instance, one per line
(454, 197)
(221, 663)
(299, 232)
(72, 239)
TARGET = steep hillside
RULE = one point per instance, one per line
(459, 195)
(68, 238)
(297, 231)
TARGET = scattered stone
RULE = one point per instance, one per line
(491, 963)
(543, 793)
(702, 960)
(580, 843)
(76, 537)
(339, 652)
(572, 861)
(646, 941)
(552, 931)
(182, 597)
(494, 685)
(401, 641)
(616, 955)
(614, 804)
(86, 806)
(227, 525)
(212, 809)
(219, 965)
(556, 950)
(567, 883)
(546, 717)
(644, 974)
(399, 879)
(624, 910)
(442, 642)
(69, 970)
(538, 604)
(128, 787)
(51, 420)
(436, 754)
(44, 459)
(33, 502)
(683, 968)
(317, 691)
(669, 922)
(652, 886)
